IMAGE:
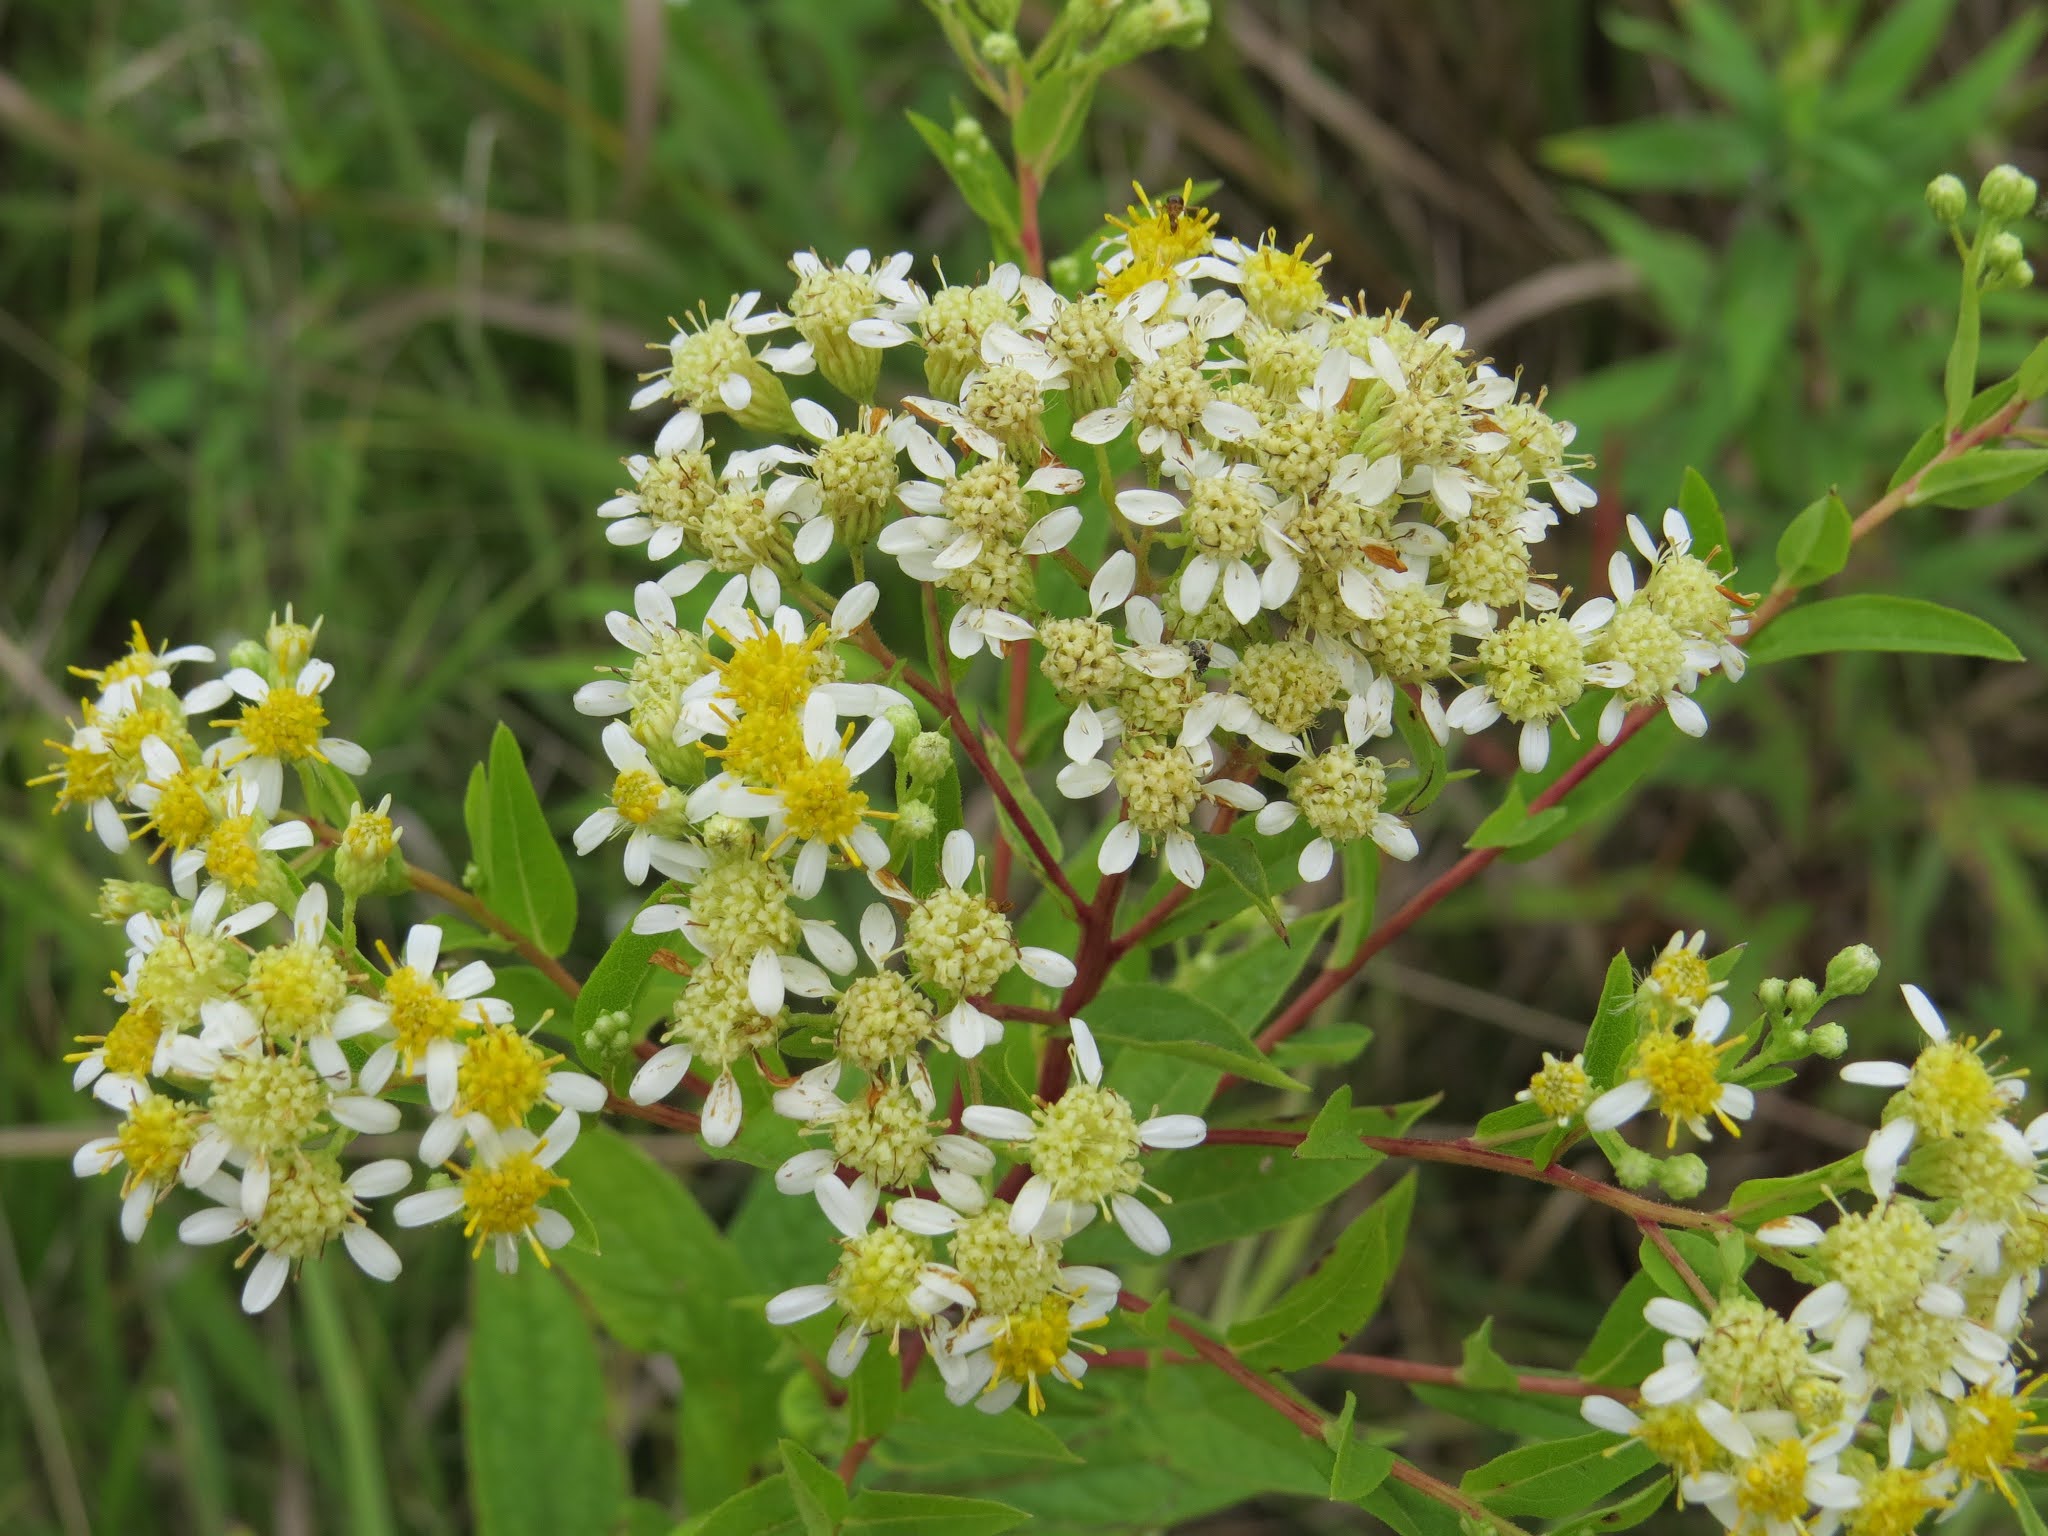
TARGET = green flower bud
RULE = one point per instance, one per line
(1946, 199)
(1001, 49)
(1683, 1177)
(929, 757)
(1771, 994)
(1829, 1040)
(367, 858)
(1142, 26)
(916, 820)
(1801, 997)
(903, 720)
(254, 655)
(1634, 1169)
(122, 899)
(1852, 971)
(2007, 194)
(2002, 252)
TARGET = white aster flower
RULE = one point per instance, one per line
(282, 725)
(311, 1205)
(640, 802)
(426, 1018)
(499, 1195)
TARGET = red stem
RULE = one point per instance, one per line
(1449, 1376)
(1467, 1154)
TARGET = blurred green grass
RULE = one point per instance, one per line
(339, 305)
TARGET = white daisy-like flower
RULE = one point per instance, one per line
(233, 1025)
(145, 666)
(146, 930)
(1953, 1092)
(241, 831)
(816, 807)
(1776, 1477)
(154, 1148)
(1678, 1075)
(1477, 708)
(1222, 562)
(897, 298)
(1681, 1379)
(992, 1359)
(883, 1283)
(639, 802)
(1699, 658)
(322, 1205)
(954, 1168)
(499, 1194)
(426, 1017)
(1390, 833)
(1084, 1149)
(1183, 855)
(725, 387)
(282, 725)
(650, 628)
(649, 514)
(87, 779)
(1221, 419)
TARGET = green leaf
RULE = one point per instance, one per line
(1702, 509)
(615, 981)
(1149, 1017)
(1702, 1256)
(533, 1383)
(476, 820)
(529, 881)
(815, 1489)
(1930, 443)
(1050, 122)
(2031, 382)
(667, 1280)
(1481, 1366)
(2031, 1522)
(1872, 621)
(1251, 983)
(873, 1393)
(330, 793)
(1225, 1192)
(1243, 868)
(1509, 825)
(930, 1432)
(1622, 1515)
(766, 1509)
(1432, 767)
(1331, 1136)
(978, 171)
(1614, 1024)
(1359, 1467)
(929, 1514)
(1757, 1201)
(1979, 478)
(1012, 775)
(1815, 545)
(1625, 1348)
(1361, 893)
(1316, 1317)
(1219, 900)
(1694, 154)
(1892, 55)
(927, 854)
(1559, 1477)
(1322, 1045)
(533, 995)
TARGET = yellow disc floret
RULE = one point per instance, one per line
(154, 1138)
(420, 1014)
(501, 1198)
(285, 724)
(1952, 1092)
(1984, 1436)
(1771, 1486)
(502, 1076)
(1033, 1343)
(1682, 1073)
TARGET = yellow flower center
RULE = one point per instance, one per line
(420, 1013)
(285, 725)
(502, 1076)
(184, 811)
(1952, 1091)
(637, 796)
(767, 672)
(1561, 1088)
(1682, 976)
(1034, 1343)
(1984, 1437)
(233, 856)
(1675, 1436)
(1895, 1501)
(502, 1198)
(1283, 287)
(1169, 232)
(154, 1139)
(877, 1277)
(84, 775)
(296, 989)
(1773, 1484)
(819, 801)
(1682, 1071)
(130, 1047)
(764, 747)
(126, 733)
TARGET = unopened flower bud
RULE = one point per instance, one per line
(1001, 49)
(1633, 1169)
(903, 720)
(1801, 997)
(1829, 1040)
(2007, 193)
(2003, 252)
(122, 899)
(916, 820)
(1852, 971)
(290, 644)
(1946, 199)
(1771, 993)
(929, 757)
(252, 654)
(366, 859)
(1144, 25)
(609, 1037)
(1683, 1177)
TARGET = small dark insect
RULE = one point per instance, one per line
(1174, 206)
(1198, 653)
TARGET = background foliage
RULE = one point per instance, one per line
(339, 303)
